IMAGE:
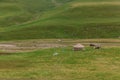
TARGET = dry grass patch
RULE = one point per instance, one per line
(78, 4)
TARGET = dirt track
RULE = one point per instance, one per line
(22, 47)
(30, 45)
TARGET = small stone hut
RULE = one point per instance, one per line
(78, 47)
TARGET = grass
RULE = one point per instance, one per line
(90, 64)
(15, 12)
(77, 19)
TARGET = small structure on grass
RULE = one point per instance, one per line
(78, 47)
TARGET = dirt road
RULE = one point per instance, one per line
(30, 45)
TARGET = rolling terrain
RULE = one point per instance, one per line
(36, 60)
(37, 38)
(90, 64)
(59, 19)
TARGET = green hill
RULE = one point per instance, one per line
(30, 19)
(14, 12)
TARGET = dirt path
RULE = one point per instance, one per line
(30, 45)
(20, 47)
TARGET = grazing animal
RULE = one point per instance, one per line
(97, 47)
(92, 44)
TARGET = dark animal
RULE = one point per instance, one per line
(92, 44)
(97, 47)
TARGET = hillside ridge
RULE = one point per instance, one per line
(73, 19)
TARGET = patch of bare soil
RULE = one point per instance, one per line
(74, 5)
(11, 47)
(30, 45)
(5, 53)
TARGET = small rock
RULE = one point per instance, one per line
(55, 54)
(59, 40)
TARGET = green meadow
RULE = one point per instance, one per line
(60, 63)
(67, 65)
(44, 19)
(37, 38)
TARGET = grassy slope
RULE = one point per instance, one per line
(14, 12)
(68, 65)
(93, 19)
